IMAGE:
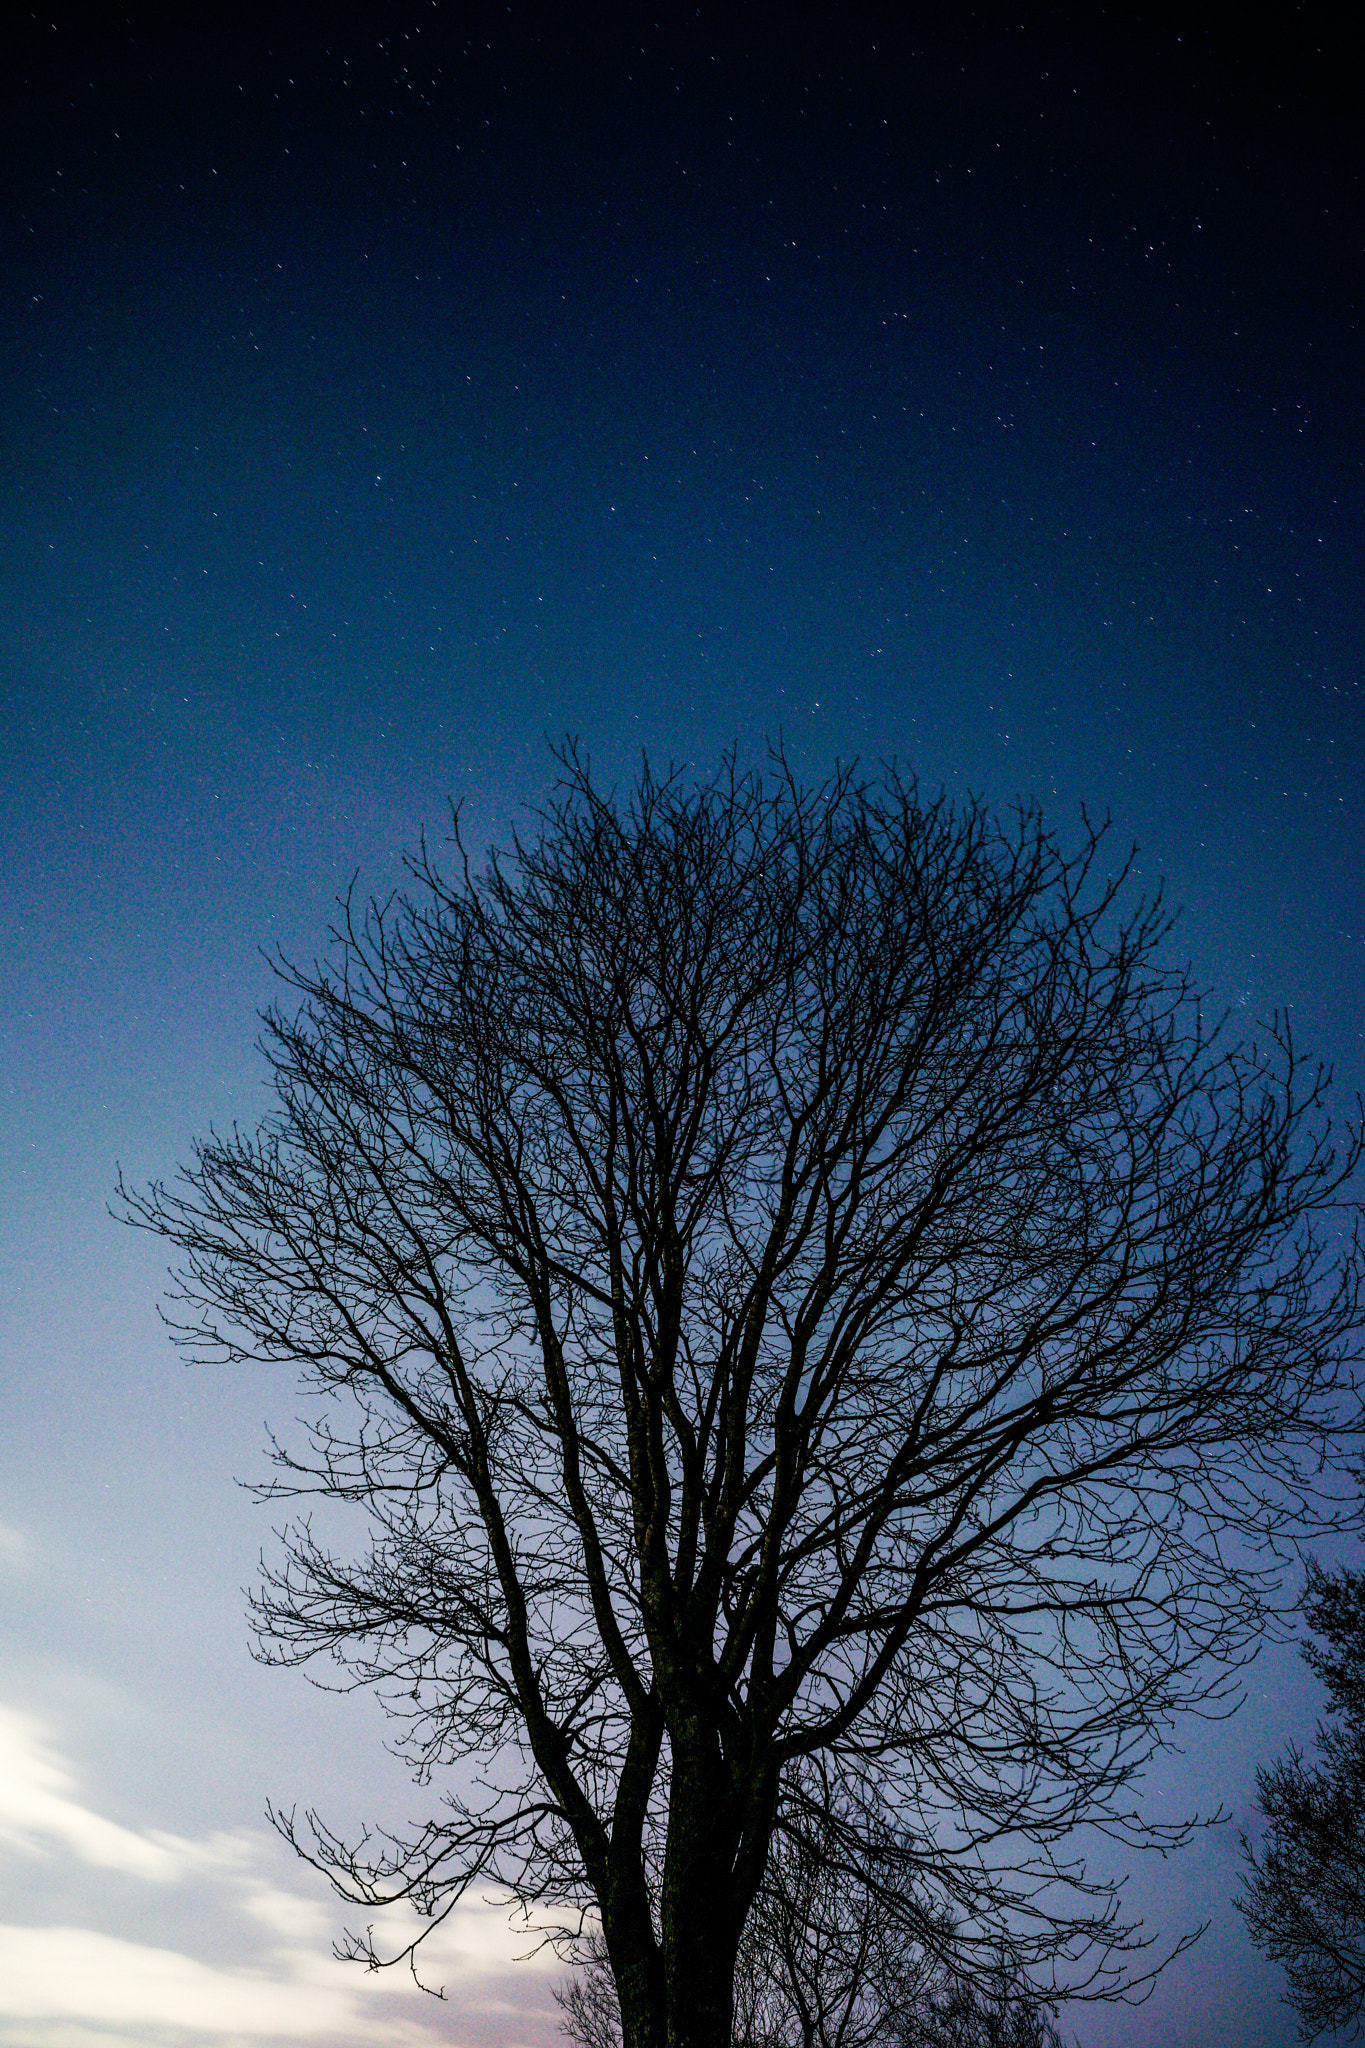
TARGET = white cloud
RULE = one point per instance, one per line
(38, 1805)
(65, 2034)
(71, 1973)
(58, 1983)
(287, 1915)
(75, 1987)
(13, 1547)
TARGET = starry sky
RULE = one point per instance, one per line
(381, 403)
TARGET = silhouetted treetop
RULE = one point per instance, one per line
(797, 1282)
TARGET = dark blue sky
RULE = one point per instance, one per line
(379, 402)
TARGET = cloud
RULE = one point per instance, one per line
(271, 1977)
(74, 1974)
(38, 1803)
(286, 1914)
(13, 1548)
(67, 2034)
(57, 1983)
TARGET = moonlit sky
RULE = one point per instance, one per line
(379, 404)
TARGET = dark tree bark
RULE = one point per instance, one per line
(794, 1282)
(1303, 1896)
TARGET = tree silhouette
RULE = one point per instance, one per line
(793, 1282)
(834, 1955)
(1303, 1895)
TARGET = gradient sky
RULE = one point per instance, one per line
(378, 404)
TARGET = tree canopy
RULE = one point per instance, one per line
(796, 1286)
(1303, 1897)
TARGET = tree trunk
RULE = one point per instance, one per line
(636, 1967)
(702, 1917)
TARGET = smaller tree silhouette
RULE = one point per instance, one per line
(1304, 1891)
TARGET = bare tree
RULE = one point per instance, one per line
(1304, 1892)
(796, 1283)
(829, 1960)
(939, 2008)
(961, 2012)
(833, 1954)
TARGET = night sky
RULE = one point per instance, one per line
(381, 405)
